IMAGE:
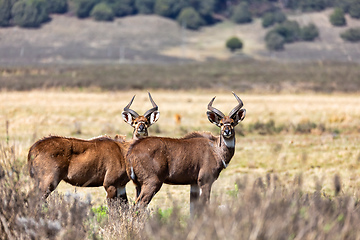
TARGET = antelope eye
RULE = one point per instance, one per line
(135, 123)
(221, 124)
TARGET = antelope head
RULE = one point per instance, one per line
(141, 123)
(227, 123)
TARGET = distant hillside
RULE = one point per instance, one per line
(150, 38)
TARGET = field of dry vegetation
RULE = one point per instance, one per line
(294, 174)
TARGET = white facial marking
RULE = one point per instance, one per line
(224, 163)
(154, 117)
(127, 117)
(133, 176)
(138, 125)
(230, 143)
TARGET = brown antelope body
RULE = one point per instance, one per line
(86, 163)
(196, 160)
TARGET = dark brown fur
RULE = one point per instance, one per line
(197, 159)
(88, 163)
(84, 163)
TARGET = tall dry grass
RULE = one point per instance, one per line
(261, 208)
(280, 183)
(284, 134)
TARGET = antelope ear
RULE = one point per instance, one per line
(127, 117)
(213, 118)
(154, 116)
(239, 116)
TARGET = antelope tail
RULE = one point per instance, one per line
(30, 164)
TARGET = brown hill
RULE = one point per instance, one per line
(152, 38)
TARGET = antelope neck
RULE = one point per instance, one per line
(228, 148)
(137, 136)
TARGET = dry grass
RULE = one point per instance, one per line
(238, 75)
(289, 148)
(263, 208)
(315, 135)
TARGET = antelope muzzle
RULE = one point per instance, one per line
(227, 130)
(141, 128)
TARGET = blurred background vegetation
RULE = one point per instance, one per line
(191, 14)
(294, 62)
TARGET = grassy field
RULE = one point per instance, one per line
(248, 76)
(291, 149)
(314, 135)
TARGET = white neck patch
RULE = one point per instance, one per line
(224, 163)
(230, 143)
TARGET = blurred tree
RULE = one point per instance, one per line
(312, 5)
(241, 13)
(145, 6)
(189, 18)
(270, 18)
(234, 43)
(337, 18)
(309, 32)
(102, 12)
(57, 6)
(289, 30)
(5, 12)
(121, 8)
(30, 13)
(291, 4)
(354, 9)
(205, 8)
(343, 4)
(170, 8)
(351, 35)
(274, 41)
(84, 7)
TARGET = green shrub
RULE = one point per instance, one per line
(57, 6)
(337, 18)
(169, 8)
(241, 14)
(205, 8)
(121, 8)
(84, 7)
(309, 32)
(101, 213)
(274, 41)
(145, 6)
(354, 9)
(270, 18)
(343, 4)
(289, 30)
(292, 4)
(102, 12)
(312, 5)
(30, 13)
(305, 127)
(234, 43)
(5, 13)
(351, 35)
(190, 18)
